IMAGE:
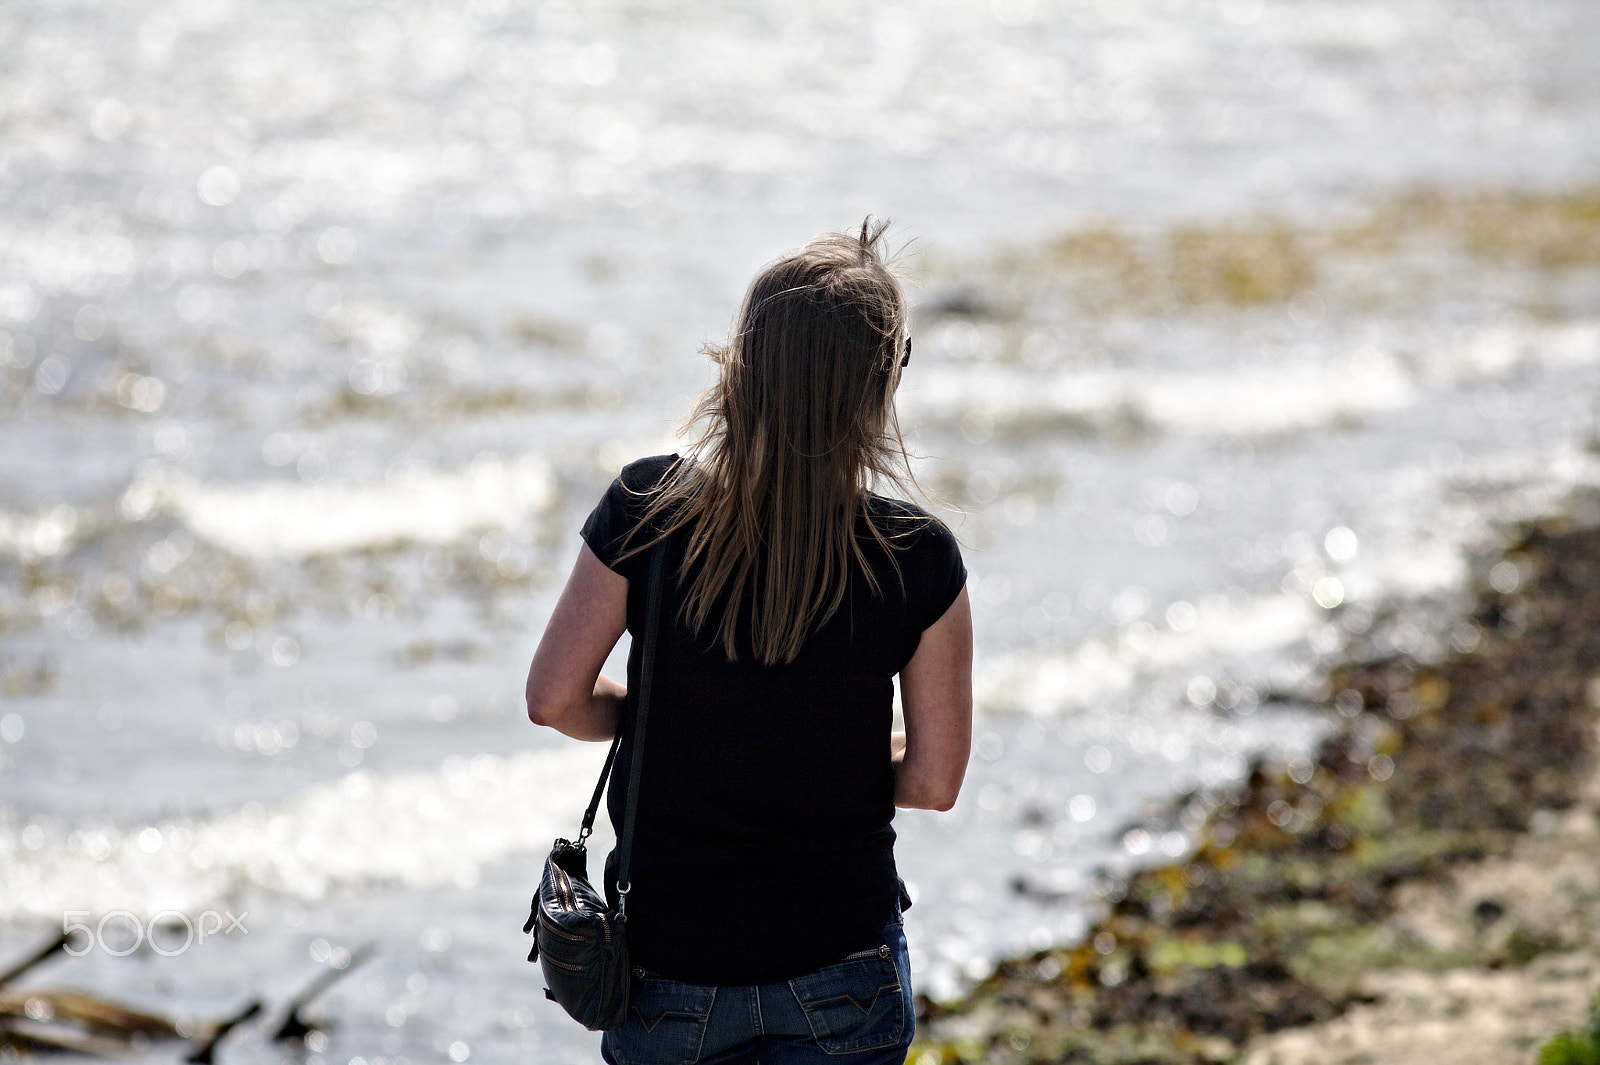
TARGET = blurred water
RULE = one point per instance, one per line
(321, 327)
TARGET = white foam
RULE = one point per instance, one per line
(1238, 404)
(399, 830)
(1280, 400)
(419, 506)
(1437, 522)
(1253, 403)
(1046, 682)
(1505, 350)
(41, 534)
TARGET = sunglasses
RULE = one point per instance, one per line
(906, 359)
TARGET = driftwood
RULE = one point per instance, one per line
(44, 953)
(63, 1021)
(205, 1051)
(294, 1026)
(21, 1035)
(94, 1015)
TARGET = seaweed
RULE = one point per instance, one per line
(1273, 919)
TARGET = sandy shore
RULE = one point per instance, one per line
(1546, 888)
(1426, 890)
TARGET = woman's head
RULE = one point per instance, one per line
(810, 372)
(798, 427)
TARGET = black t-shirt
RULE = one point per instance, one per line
(762, 847)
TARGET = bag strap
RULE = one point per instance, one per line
(647, 668)
(599, 788)
(652, 618)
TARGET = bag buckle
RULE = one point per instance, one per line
(623, 887)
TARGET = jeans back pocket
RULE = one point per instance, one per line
(666, 1023)
(855, 1004)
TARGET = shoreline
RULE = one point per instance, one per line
(1423, 889)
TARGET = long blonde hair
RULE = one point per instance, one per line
(798, 428)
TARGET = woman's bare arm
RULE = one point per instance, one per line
(936, 694)
(566, 689)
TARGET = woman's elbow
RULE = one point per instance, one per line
(543, 709)
(939, 796)
(944, 799)
(938, 804)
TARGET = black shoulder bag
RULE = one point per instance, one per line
(577, 938)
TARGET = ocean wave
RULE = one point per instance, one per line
(365, 829)
(419, 506)
(1253, 403)
(1262, 403)
(1044, 682)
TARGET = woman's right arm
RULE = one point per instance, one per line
(936, 694)
(566, 689)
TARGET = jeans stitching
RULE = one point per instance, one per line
(758, 1021)
(820, 1003)
(692, 1046)
(828, 995)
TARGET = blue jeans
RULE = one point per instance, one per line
(857, 1011)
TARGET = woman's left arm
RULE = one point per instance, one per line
(566, 690)
(930, 756)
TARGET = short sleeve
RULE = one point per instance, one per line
(944, 572)
(609, 528)
(926, 559)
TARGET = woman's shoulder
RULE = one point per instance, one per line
(885, 508)
(924, 554)
(612, 526)
(645, 475)
(905, 524)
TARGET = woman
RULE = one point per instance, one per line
(764, 913)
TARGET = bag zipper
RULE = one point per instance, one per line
(564, 886)
(550, 926)
(559, 964)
